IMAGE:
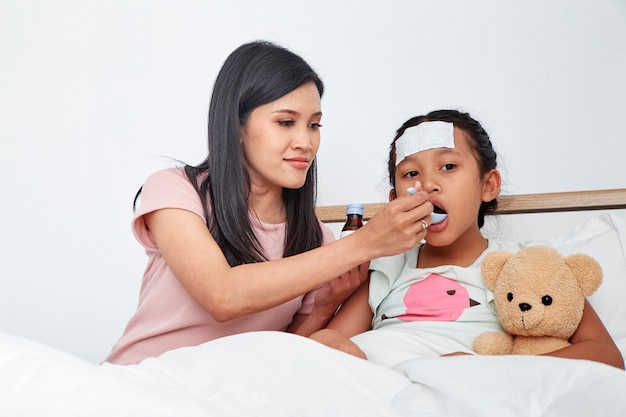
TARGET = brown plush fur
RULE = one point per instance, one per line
(539, 297)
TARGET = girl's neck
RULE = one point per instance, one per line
(462, 252)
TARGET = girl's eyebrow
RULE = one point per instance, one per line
(439, 151)
(444, 151)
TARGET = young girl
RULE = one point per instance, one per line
(431, 300)
(233, 243)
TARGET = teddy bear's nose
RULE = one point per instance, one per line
(525, 306)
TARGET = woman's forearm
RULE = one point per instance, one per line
(230, 292)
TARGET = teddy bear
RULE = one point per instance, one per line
(539, 296)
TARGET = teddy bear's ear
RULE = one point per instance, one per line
(492, 265)
(587, 271)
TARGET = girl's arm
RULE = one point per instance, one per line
(592, 341)
(229, 292)
(354, 317)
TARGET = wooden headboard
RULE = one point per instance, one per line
(515, 204)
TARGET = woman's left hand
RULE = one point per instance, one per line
(328, 298)
(332, 294)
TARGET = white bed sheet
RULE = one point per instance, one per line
(278, 374)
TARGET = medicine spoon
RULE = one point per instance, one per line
(437, 217)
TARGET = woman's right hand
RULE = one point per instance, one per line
(398, 226)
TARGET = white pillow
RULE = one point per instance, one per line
(604, 238)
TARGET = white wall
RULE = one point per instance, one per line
(95, 95)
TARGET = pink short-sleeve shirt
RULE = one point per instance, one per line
(167, 316)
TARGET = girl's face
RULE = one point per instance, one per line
(455, 185)
(281, 139)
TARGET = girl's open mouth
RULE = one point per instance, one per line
(438, 215)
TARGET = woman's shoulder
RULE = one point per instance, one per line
(169, 181)
(167, 175)
(169, 188)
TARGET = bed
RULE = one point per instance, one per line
(278, 374)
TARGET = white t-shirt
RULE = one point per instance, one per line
(449, 300)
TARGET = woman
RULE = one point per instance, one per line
(233, 243)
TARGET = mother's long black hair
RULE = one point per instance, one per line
(254, 74)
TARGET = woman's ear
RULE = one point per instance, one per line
(492, 183)
(392, 194)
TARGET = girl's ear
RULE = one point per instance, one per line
(492, 183)
(392, 194)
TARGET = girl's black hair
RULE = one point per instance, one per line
(480, 143)
(254, 74)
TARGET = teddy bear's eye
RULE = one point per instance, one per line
(546, 300)
(509, 296)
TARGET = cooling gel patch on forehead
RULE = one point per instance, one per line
(426, 135)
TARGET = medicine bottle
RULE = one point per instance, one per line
(354, 221)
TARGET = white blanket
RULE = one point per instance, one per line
(278, 374)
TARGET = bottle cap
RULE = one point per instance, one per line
(355, 209)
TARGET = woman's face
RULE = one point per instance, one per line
(281, 139)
